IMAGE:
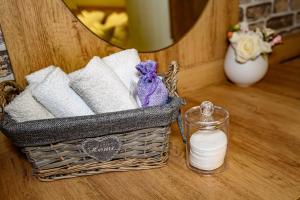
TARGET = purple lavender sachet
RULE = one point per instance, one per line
(151, 90)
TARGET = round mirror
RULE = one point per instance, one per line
(147, 25)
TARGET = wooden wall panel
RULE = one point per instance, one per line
(290, 48)
(44, 32)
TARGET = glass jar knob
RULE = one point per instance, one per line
(206, 110)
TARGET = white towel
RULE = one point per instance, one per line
(101, 88)
(56, 96)
(40, 75)
(25, 108)
(123, 64)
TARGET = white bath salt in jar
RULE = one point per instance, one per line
(206, 129)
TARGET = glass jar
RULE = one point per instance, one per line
(207, 137)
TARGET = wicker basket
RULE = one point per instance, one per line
(86, 145)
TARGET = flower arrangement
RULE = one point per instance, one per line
(248, 44)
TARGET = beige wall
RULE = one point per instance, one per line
(149, 22)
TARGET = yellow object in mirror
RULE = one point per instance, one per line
(147, 25)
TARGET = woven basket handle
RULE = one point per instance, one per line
(171, 84)
(8, 91)
(171, 79)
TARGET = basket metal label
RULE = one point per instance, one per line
(101, 148)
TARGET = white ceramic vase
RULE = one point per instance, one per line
(244, 74)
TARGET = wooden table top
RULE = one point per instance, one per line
(263, 161)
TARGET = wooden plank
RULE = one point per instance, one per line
(263, 162)
(45, 32)
(201, 75)
(283, 75)
(290, 48)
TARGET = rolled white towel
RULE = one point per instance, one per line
(40, 75)
(25, 108)
(101, 88)
(57, 97)
(123, 64)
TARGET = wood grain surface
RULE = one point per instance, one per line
(289, 49)
(44, 32)
(263, 162)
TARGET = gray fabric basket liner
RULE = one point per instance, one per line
(49, 131)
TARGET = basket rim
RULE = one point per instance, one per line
(42, 132)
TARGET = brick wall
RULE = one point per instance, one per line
(281, 15)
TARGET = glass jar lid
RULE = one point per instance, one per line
(206, 116)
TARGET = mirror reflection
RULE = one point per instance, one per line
(146, 25)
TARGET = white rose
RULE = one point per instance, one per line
(266, 47)
(268, 32)
(248, 46)
(235, 37)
